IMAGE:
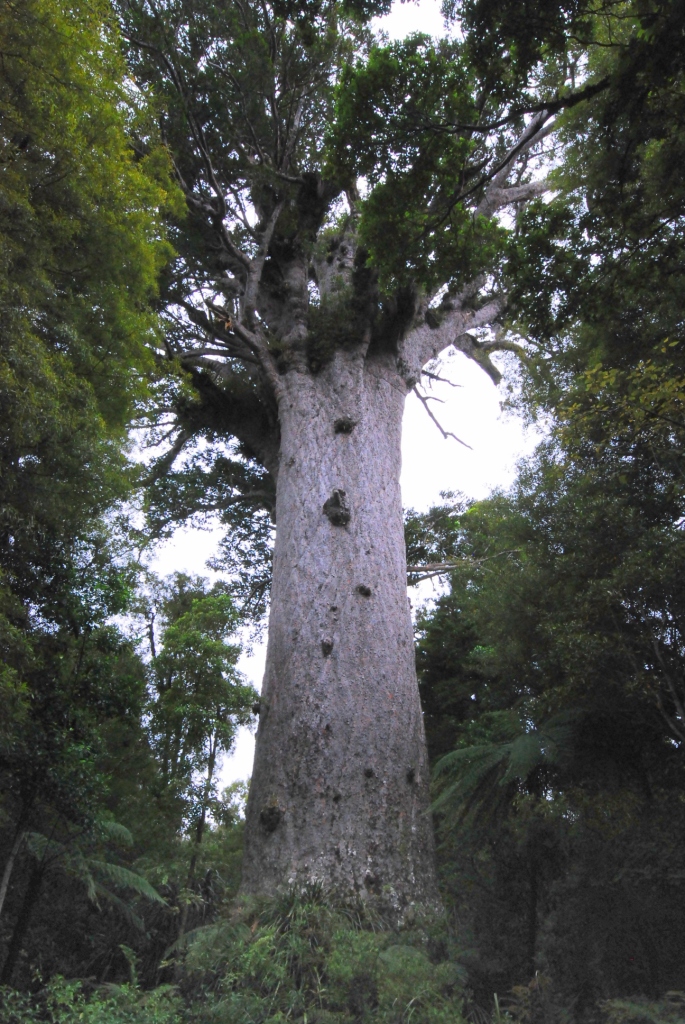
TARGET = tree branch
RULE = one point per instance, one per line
(256, 267)
(496, 178)
(552, 106)
(497, 198)
(452, 321)
(443, 380)
(427, 340)
(442, 568)
(163, 465)
(445, 433)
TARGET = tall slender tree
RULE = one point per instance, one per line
(301, 316)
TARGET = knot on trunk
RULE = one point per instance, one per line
(344, 425)
(337, 508)
(270, 817)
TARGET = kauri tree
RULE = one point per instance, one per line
(342, 230)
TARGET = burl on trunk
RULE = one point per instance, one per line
(340, 785)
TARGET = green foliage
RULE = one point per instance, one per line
(558, 663)
(72, 691)
(604, 258)
(82, 248)
(87, 868)
(228, 106)
(517, 47)
(584, 615)
(641, 1011)
(307, 955)
(198, 698)
(66, 1002)
(80, 222)
(480, 778)
(303, 956)
(394, 125)
(230, 82)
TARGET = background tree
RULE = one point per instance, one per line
(197, 699)
(581, 613)
(537, 673)
(81, 244)
(578, 612)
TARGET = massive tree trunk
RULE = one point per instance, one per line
(340, 785)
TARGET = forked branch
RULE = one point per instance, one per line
(432, 569)
(424, 399)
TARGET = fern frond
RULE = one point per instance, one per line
(126, 879)
(116, 832)
(43, 848)
(122, 906)
(525, 754)
(77, 865)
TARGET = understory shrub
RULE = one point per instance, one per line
(308, 957)
(304, 957)
(68, 1002)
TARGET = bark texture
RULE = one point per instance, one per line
(339, 791)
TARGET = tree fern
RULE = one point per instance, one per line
(482, 779)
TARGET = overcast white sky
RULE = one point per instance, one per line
(430, 463)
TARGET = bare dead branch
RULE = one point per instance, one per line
(442, 568)
(443, 380)
(445, 433)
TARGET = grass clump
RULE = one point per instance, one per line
(309, 958)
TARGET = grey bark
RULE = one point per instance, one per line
(339, 791)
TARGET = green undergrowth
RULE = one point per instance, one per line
(669, 1010)
(308, 957)
(303, 957)
(75, 1002)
